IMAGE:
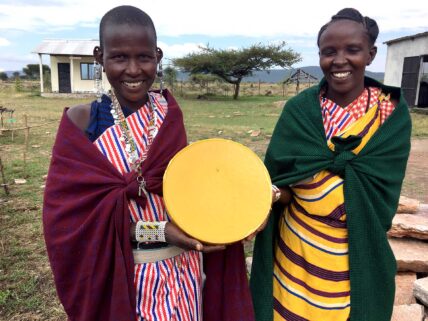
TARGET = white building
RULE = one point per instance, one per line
(72, 65)
(407, 67)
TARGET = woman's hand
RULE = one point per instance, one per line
(284, 197)
(175, 236)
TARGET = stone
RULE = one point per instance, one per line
(412, 312)
(420, 290)
(407, 205)
(20, 181)
(255, 133)
(410, 225)
(248, 263)
(411, 255)
(404, 288)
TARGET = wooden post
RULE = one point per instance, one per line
(259, 87)
(1, 115)
(6, 190)
(26, 136)
(41, 72)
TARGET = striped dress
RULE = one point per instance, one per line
(168, 289)
(311, 266)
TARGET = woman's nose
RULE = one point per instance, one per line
(133, 67)
(339, 59)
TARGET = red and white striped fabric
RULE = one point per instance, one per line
(168, 289)
(336, 118)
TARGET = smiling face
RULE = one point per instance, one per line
(129, 57)
(345, 51)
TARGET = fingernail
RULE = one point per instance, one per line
(198, 247)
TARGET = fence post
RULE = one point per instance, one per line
(6, 190)
(26, 136)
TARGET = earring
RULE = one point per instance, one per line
(98, 83)
(160, 75)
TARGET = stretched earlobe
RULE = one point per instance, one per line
(159, 53)
(98, 55)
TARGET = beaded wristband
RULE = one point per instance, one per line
(150, 231)
(277, 193)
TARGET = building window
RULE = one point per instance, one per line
(87, 71)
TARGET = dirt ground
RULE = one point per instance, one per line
(416, 180)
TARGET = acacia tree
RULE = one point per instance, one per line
(232, 65)
(32, 71)
(170, 76)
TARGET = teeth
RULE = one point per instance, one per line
(132, 84)
(341, 74)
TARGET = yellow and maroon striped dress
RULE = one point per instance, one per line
(311, 267)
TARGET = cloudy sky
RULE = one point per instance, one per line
(182, 26)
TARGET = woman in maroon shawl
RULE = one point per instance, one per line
(114, 253)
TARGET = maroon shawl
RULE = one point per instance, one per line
(86, 226)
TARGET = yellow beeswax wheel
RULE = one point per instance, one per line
(217, 191)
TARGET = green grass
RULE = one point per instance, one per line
(419, 125)
(26, 287)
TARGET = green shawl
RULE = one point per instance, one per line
(373, 178)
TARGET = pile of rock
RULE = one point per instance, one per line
(408, 238)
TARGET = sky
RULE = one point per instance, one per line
(184, 26)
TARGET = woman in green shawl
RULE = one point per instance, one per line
(338, 155)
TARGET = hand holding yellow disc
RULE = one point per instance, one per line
(217, 191)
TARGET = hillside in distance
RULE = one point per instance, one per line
(279, 75)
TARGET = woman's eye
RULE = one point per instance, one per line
(146, 58)
(354, 50)
(119, 57)
(327, 52)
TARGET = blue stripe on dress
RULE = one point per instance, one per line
(187, 299)
(311, 244)
(195, 289)
(343, 120)
(322, 196)
(307, 300)
(140, 288)
(123, 157)
(167, 290)
(333, 109)
(153, 206)
(102, 148)
(154, 291)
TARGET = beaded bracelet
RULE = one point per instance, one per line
(150, 231)
(277, 193)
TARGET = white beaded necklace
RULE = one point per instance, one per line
(128, 137)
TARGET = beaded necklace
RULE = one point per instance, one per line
(128, 138)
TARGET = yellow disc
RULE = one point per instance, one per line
(217, 191)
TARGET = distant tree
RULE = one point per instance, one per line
(32, 71)
(203, 80)
(3, 76)
(15, 74)
(170, 76)
(233, 65)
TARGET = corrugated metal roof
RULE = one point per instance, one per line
(418, 35)
(67, 47)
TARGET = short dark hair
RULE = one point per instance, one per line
(352, 14)
(126, 15)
